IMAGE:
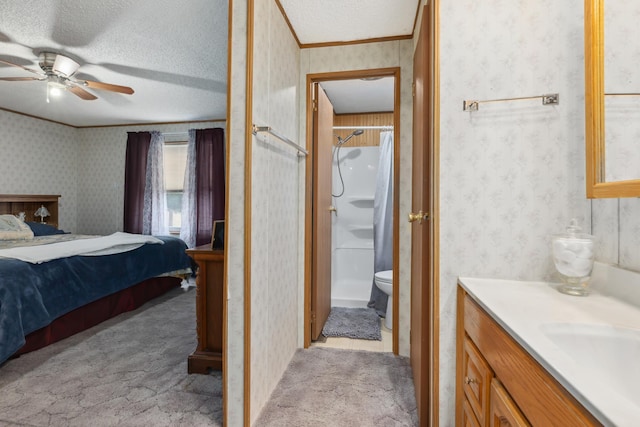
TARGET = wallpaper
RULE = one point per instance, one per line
(39, 157)
(84, 166)
(235, 227)
(616, 227)
(275, 248)
(512, 173)
(378, 55)
(101, 157)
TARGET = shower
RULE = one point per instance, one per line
(336, 153)
(353, 256)
(351, 135)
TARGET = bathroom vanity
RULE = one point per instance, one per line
(529, 355)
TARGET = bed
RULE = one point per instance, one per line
(44, 301)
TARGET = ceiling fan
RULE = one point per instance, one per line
(58, 71)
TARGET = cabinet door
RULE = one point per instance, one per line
(476, 378)
(504, 412)
(468, 417)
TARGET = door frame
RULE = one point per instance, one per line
(309, 189)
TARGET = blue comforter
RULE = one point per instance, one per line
(33, 295)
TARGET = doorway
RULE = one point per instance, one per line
(339, 223)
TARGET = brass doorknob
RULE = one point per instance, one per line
(420, 216)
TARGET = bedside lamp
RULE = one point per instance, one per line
(42, 212)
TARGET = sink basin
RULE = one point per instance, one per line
(607, 352)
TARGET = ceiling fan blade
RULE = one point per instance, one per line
(19, 79)
(106, 86)
(81, 93)
(20, 66)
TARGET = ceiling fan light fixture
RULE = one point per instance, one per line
(55, 90)
(55, 86)
(65, 66)
(58, 72)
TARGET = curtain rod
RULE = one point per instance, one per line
(183, 133)
(364, 127)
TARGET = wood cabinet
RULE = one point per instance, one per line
(499, 384)
(29, 203)
(504, 412)
(209, 310)
(476, 381)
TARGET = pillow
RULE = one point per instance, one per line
(40, 229)
(12, 228)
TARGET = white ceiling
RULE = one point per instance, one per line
(173, 54)
(360, 96)
(324, 21)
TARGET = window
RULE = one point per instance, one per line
(175, 162)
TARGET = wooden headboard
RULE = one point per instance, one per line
(29, 203)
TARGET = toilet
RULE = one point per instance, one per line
(384, 282)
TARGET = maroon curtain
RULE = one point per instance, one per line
(210, 182)
(135, 170)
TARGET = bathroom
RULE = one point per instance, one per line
(362, 197)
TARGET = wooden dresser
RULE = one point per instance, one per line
(209, 310)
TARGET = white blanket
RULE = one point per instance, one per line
(105, 245)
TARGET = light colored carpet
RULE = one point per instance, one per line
(128, 371)
(332, 387)
(357, 323)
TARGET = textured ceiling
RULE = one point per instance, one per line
(323, 21)
(173, 54)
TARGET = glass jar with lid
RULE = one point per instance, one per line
(573, 254)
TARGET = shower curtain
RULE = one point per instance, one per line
(382, 221)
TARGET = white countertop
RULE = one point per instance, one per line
(523, 308)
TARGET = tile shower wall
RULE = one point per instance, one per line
(367, 56)
(101, 157)
(275, 248)
(512, 173)
(40, 157)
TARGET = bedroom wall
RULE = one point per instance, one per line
(361, 57)
(101, 157)
(512, 173)
(275, 249)
(39, 157)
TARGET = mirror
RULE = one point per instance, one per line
(612, 99)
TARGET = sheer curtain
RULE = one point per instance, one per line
(383, 220)
(187, 226)
(204, 185)
(155, 198)
(135, 180)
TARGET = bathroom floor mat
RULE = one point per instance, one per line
(358, 323)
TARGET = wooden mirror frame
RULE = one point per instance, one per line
(594, 109)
